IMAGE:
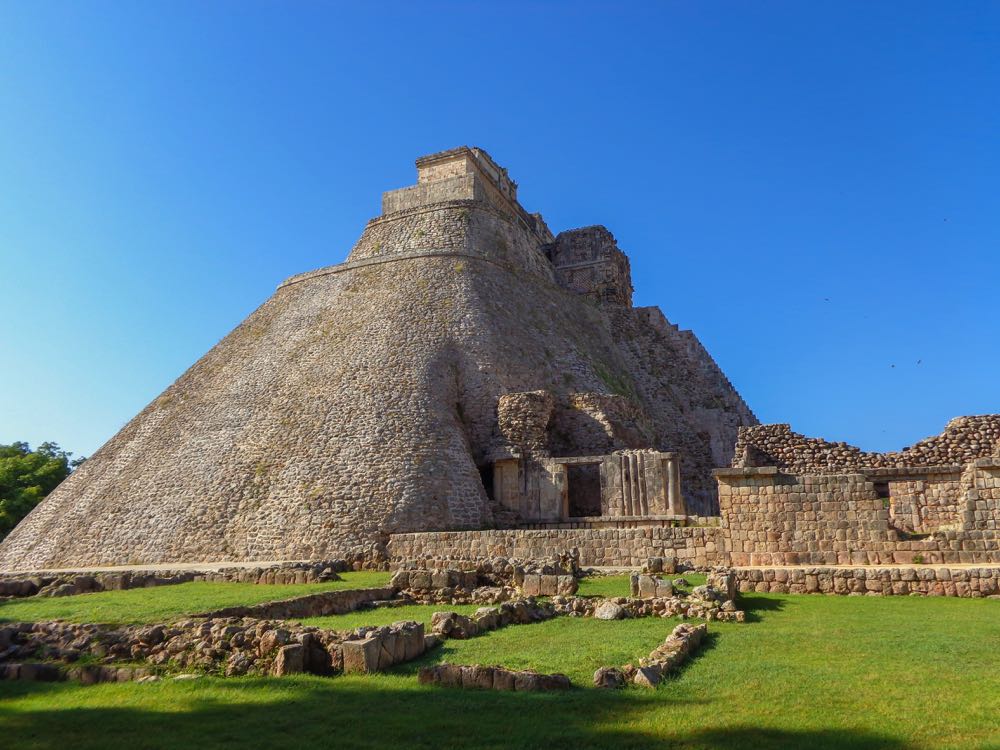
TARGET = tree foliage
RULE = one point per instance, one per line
(27, 476)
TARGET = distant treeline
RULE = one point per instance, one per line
(27, 476)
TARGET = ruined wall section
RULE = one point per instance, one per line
(774, 518)
(779, 519)
(964, 439)
(931, 502)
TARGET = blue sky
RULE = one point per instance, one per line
(812, 187)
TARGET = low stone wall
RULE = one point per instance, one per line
(535, 584)
(87, 674)
(975, 582)
(435, 579)
(73, 584)
(490, 678)
(438, 585)
(312, 605)
(485, 619)
(667, 657)
(692, 546)
(70, 584)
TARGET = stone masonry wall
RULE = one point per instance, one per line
(772, 518)
(981, 509)
(692, 546)
(929, 503)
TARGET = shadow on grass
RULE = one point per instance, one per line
(372, 713)
(755, 604)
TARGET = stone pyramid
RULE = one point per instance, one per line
(362, 399)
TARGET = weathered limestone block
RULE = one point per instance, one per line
(648, 677)
(362, 656)
(566, 585)
(609, 677)
(650, 587)
(609, 611)
(289, 660)
(532, 585)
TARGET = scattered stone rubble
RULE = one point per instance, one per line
(260, 639)
(485, 619)
(655, 597)
(667, 657)
(712, 607)
(228, 646)
(491, 678)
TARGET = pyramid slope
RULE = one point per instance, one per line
(358, 401)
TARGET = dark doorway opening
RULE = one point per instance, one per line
(486, 477)
(584, 489)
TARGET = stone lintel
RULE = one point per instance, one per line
(757, 471)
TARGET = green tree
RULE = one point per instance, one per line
(27, 476)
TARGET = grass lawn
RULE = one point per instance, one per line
(809, 671)
(168, 602)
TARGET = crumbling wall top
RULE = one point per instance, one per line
(964, 439)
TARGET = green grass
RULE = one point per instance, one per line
(168, 602)
(608, 586)
(808, 671)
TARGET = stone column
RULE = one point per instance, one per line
(675, 500)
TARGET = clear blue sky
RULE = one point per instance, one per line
(811, 187)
